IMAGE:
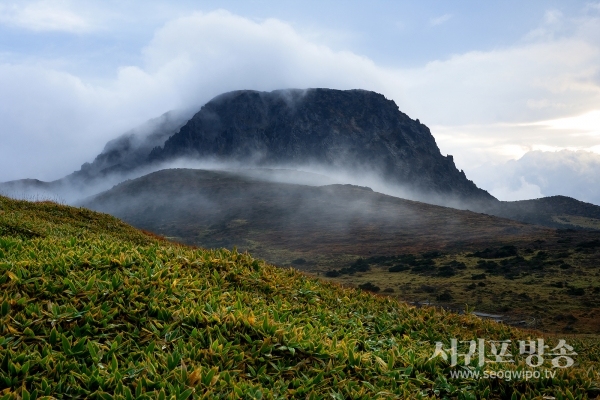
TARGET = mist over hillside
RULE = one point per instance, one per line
(283, 221)
(355, 136)
(122, 158)
(130, 150)
(326, 136)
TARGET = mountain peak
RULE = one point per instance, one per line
(357, 131)
(353, 136)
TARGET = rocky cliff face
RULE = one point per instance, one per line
(357, 132)
(122, 158)
(354, 130)
(130, 150)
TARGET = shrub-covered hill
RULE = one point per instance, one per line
(92, 308)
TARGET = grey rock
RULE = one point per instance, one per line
(347, 129)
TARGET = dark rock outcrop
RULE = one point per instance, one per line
(130, 150)
(354, 130)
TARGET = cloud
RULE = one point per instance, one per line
(593, 6)
(440, 20)
(478, 104)
(52, 121)
(45, 15)
(496, 86)
(230, 52)
(477, 144)
(542, 93)
(584, 124)
(545, 173)
(521, 191)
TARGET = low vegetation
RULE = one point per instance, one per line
(92, 308)
(549, 285)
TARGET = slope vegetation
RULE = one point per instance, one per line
(92, 308)
(414, 251)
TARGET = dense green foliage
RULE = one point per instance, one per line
(92, 308)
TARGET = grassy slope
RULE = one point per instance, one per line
(330, 227)
(92, 308)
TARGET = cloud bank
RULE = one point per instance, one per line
(545, 173)
(46, 16)
(481, 105)
(53, 121)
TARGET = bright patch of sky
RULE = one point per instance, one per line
(493, 80)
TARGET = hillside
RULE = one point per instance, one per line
(414, 251)
(553, 211)
(282, 222)
(91, 308)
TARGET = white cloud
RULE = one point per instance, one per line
(522, 191)
(587, 123)
(440, 20)
(45, 15)
(538, 95)
(478, 103)
(218, 51)
(496, 86)
(481, 144)
(52, 121)
(544, 173)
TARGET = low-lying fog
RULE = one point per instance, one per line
(253, 210)
(74, 191)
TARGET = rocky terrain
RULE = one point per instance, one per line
(351, 130)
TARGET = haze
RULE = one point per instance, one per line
(494, 82)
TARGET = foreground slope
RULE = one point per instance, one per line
(91, 308)
(547, 279)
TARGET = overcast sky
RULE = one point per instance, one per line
(493, 80)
